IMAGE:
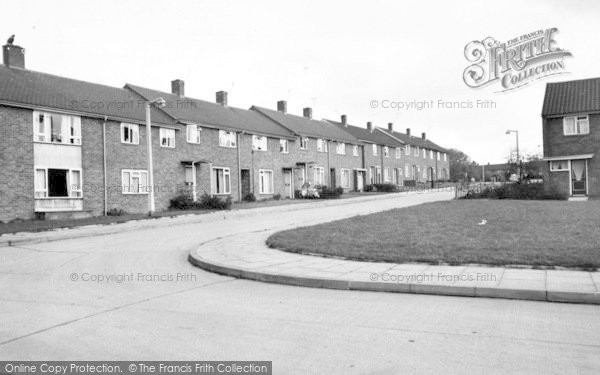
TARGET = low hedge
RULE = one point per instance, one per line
(534, 191)
(206, 202)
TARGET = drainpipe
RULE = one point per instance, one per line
(239, 144)
(382, 167)
(104, 165)
(329, 164)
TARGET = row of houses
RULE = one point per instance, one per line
(80, 148)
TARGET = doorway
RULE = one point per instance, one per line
(245, 175)
(287, 180)
(332, 178)
(579, 177)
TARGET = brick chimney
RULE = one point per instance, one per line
(222, 98)
(178, 87)
(370, 126)
(391, 126)
(408, 131)
(307, 112)
(282, 106)
(344, 120)
(13, 56)
(423, 136)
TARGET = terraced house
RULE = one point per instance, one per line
(71, 148)
(571, 132)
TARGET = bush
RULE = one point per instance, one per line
(297, 194)
(368, 188)
(534, 191)
(327, 193)
(249, 197)
(277, 196)
(182, 202)
(206, 202)
(387, 188)
(115, 212)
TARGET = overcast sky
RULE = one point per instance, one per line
(333, 56)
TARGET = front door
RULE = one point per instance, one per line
(332, 178)
(287, 180)
(578, 177)
(360, 180)
(245, 182)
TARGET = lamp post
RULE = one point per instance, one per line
(160, 102)
(518, 156)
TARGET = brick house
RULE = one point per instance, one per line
(424, 161)
(382, 154)
(571, 133)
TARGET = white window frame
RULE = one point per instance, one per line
(431, 154)
(284, 146)
(407, 150)
(355, 150)
(75, 192)
(213, 185)
(340, 149)
(417, 151)
(386, 174)
(319, 175)
(374, 147)
(386, 151)
(395, 176)
(70, 128)
(580, 125)
(346, 183)
(192, 134)
(303, 143)
(398, 152)
(438, 155)
(445, 157)
(126, 185)
(260, 142)
(261, 174)
(133, 131)
(407, 171)
(554, 163)
(42, 192)
(168, 135)
(227, 139)
(424, 153)
(322, 145)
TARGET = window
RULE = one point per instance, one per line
(221, 181)
(406, 170)
(167, 138)
(55, 128)
(319, 175)
(283, 146)
(417, 151)
(374, 146)
(574, 125)
(378, 175)
(424, 154)
(400, 172)
(58, 183)
(259, 143)
(41, 188)
(431, 154)
(559, 165)
(75, 184)
(398, 152)
(189, 175)
(340, 148)
(130, 134)
(192, 134)
(227, 139)
(438, 155)
(445, 157)
(386, 174)
(134, 181)
(386, 151)
(303, 143)
(345, 178)
(265, 179)
(395, 176)
(424, 173)
(355, 150)
(321, 145)
(407, 150)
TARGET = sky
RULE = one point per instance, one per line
(334, 56)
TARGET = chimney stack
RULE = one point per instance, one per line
(423, 136)
(282, 106)
(370, 126)
(178, 87)
(222, 98)
(391, 126)
(408, 131)
(13, 56)
(307, 112)
(344, 120)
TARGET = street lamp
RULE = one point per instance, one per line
(518, 156)
(159, 102)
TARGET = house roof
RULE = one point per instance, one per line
(365, 135)
(201, 112)
(572, 97)
(27, 88)
(412, 140)
(307, 127)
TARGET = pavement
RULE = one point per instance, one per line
(133, 295)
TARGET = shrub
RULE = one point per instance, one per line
(115, 212)
(533, 191)
(327, 193)
(181, 202)
(368, 188)
(387, 188)
(206, 202)
(297, 194)
(249, 197)
(277, 196)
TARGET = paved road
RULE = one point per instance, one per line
(44, 315)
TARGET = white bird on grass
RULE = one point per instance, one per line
(483, 222)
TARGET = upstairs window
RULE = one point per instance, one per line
(431, 154)
(284, 146)
(259, 143)
(575, 125)
(130, 134)
(424, 154)
(417, 151)
(445, 157)
(438, 155)
(227, 139)
(386, 151)
(192, 134)
(374, 147)
(398, 152)
(321, 145)
(355, 150)
(407, 150)
(56, 128)
(341, 148)
(303, 143)
(167, 138)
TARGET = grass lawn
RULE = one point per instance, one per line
(535, 233)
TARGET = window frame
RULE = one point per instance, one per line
(342, 172)
(163, 134)
(303, 143)
(258, 141)
(340, 148)
(261, 174)
(213, 185)
(386, 151)
(553, 169)
(284, 149)
(139, 173)
(70, 128)
(72, 193)
(134, 135)
(354, 150)
(398, 152)
(227, 139)
(195, 133)
(322, 145)
(386, 174)
(319, 171)
(407, 150)
(374, 149)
